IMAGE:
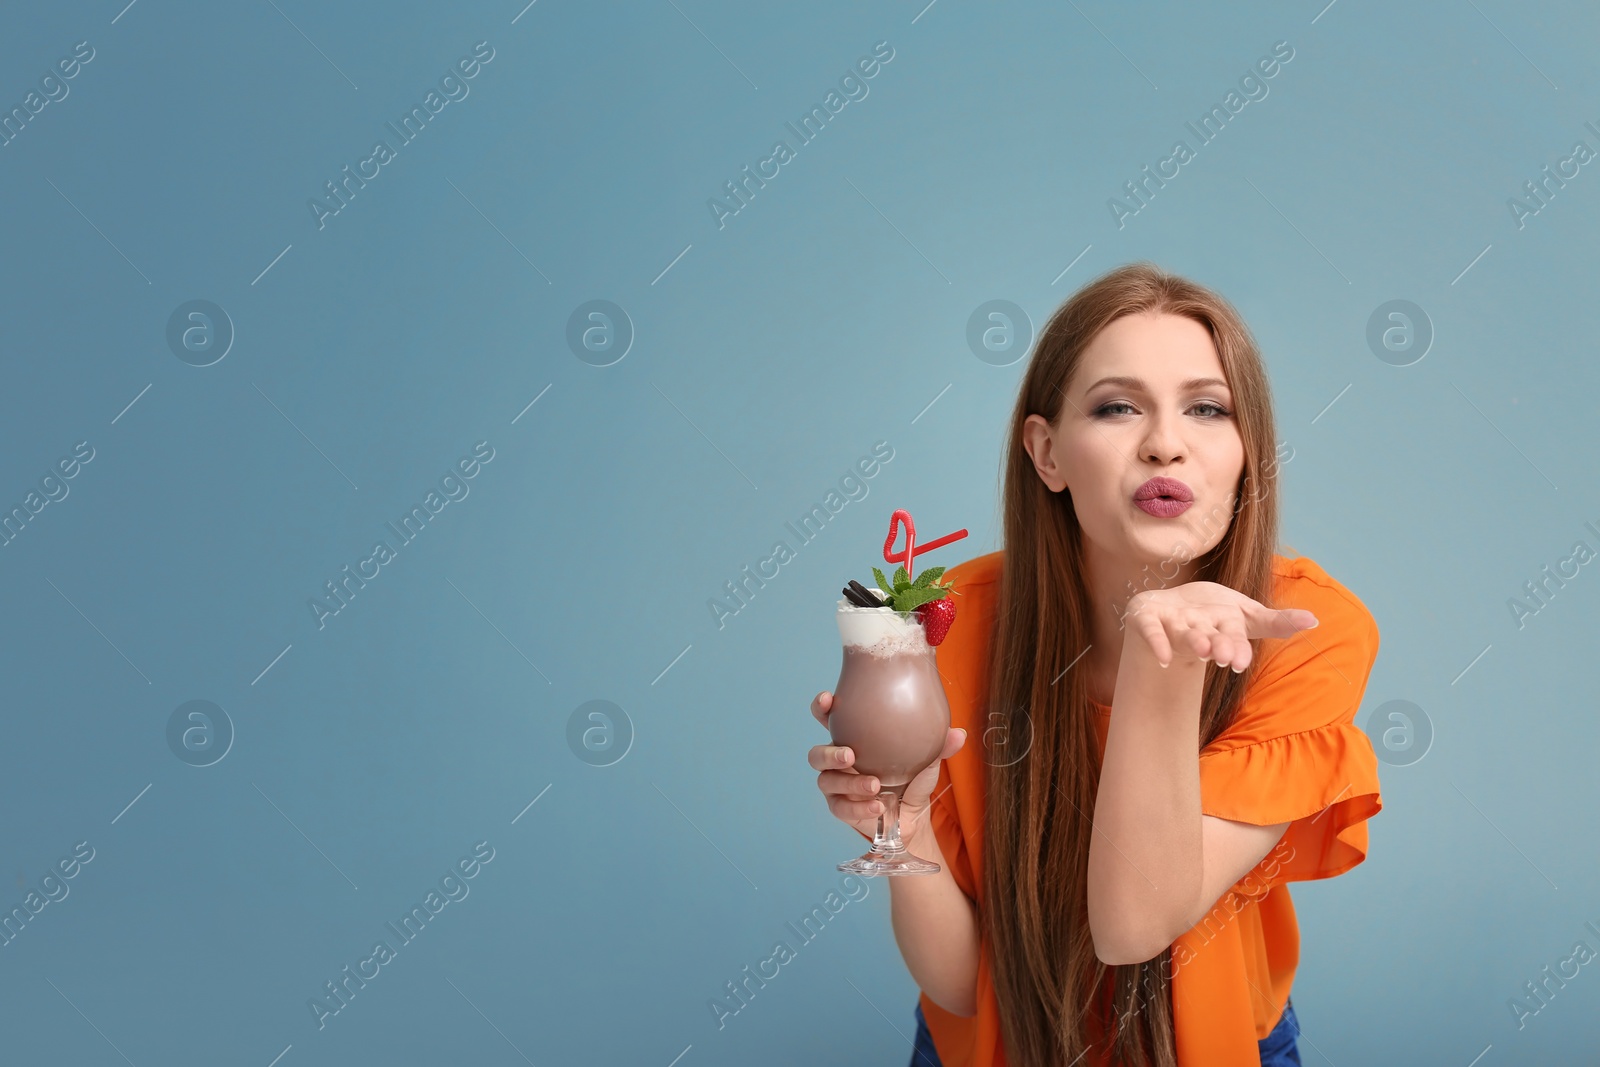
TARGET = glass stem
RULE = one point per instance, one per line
(886, 842)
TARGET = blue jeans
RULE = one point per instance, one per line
(1278, 1049)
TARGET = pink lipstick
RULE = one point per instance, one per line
(1165, 498)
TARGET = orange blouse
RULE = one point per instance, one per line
(1293, 754)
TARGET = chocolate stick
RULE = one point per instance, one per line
(857, 599)
(872, 598)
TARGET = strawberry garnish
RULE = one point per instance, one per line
(937, 615)
(926, 597)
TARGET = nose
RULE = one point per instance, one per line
(1162, 443)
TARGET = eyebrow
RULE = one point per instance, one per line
(1138, 383)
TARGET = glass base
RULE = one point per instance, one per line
(888, 855)
(872, 864)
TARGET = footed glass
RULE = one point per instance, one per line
(890, 709)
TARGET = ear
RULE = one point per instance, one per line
(1037, 437)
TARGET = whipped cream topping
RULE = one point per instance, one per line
(880, 631)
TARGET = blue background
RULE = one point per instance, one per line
(768, 354)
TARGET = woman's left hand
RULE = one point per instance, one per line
(1202, 621)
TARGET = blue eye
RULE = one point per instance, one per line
(1105, 410)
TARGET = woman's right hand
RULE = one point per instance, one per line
(852, 796)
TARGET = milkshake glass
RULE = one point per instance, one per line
(890, 709)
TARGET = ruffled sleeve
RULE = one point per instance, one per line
(1293, 753)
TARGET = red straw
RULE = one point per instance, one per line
(911, 540)
(906, 557)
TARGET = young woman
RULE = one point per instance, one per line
(1164, 707)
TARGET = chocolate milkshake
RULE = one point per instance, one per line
(889, 706)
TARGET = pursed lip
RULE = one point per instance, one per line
(1159, 487)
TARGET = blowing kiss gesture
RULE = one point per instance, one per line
(1199, 621)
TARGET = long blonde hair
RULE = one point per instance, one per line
(1047, 977)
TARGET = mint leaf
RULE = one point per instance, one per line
(926, 577)
(883, 583)
(902, 580)
(911, 599)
